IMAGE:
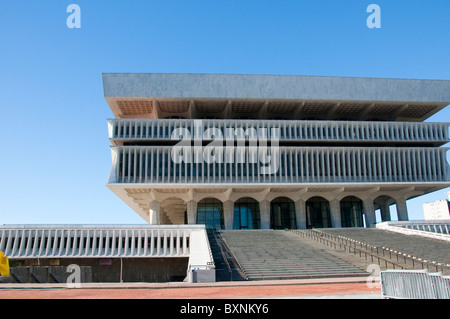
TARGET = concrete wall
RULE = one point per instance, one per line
(274, 87)
(102, 270)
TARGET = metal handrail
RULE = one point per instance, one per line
(211, 258)
(241, 269)
(429, 264)
(351, 244)
(219, 244)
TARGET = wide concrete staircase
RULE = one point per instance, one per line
(279, 254)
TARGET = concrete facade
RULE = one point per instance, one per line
(274, 150)
(97, 270)
(282, 87)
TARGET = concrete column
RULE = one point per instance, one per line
(191, 208)
(385, 213)
(335, 211)
(228, 212)
(300, 213)
(264, 212)
(155, 209)
(402, 210)
(369, 213)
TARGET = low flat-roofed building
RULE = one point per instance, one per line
(438, 210)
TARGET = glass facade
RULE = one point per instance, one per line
(246, 214)
(352, 212)
(318, 213)
(282, 214)
(210, 213)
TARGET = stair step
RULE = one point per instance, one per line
(305, 276)
(269, 254)
(248, 269)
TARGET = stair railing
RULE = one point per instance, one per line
(219, 244)
(333, 241)
(373, 251)
(227, 248)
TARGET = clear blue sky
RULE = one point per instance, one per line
(55, 156)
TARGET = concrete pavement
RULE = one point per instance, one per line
(339, 288)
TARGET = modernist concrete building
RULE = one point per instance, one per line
(274, 151)
(197, 151)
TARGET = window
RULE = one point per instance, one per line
(210, 213)
(282, 214)
(246, 214)
(318, 213)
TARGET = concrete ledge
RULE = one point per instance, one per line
(260, 86)
(397, 228)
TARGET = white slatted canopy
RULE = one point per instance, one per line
(99, 241)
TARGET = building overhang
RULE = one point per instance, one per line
(158, 95)
(138, 196)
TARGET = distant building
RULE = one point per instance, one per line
(437, 210)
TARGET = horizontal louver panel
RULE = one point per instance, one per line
(166, 129)
(160, 164)
(81, 242)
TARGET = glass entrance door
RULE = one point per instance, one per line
(352, 212)
(210, 213)
(318, 213)
(246, 214)
(282, 214)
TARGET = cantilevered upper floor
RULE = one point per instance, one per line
(182, 140)
(242, 96)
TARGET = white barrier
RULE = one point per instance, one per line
(414, 284)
